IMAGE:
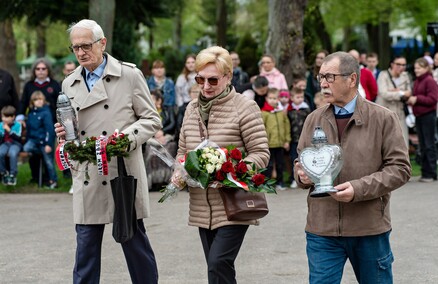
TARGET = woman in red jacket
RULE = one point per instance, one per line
(424, 102)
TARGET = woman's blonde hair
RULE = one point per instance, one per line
(36, 95)
(217, 55)
(423, 63)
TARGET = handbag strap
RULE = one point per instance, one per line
(121, 167)
(392, 81)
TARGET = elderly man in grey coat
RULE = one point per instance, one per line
(108, 94)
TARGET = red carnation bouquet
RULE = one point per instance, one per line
(224, 166)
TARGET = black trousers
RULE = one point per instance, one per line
(277, 158)
(138, 254)
(426, 127)
(221, 247)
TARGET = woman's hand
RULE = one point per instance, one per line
(60, 132)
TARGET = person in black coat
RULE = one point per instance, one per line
(41, 80)
(8, 93)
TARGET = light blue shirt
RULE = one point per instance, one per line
(348, 108)
(93, 77)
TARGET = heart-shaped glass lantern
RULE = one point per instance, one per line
(322, 163)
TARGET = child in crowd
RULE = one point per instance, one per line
(10, 135)
(297, 114)
(284, 98)
(319, 100)
(167, 117)
(40, 134)
(278, 130)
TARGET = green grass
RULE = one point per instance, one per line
(416, 169)
(24, 185)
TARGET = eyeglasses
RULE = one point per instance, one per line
(41, 68)
(400, 64)
(213, 81)
(85, 47)
(329, 77)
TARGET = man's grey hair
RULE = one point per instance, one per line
(347, 63)
(89, 25)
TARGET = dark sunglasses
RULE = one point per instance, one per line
(213, 81)
(41, 68)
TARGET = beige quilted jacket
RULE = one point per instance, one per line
(234, 120)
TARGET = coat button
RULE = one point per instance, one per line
(86, 182)
(108, 79)
(104, 133)
(104, 182)
(105, 106)
(136, 131)
(82, 132)
(78, 108)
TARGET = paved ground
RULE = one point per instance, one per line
(37, 240)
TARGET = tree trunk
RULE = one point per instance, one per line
(41, 40)
(221, 23)
(8, 51)
(103, 11)
(177, 29)
(323, 34)
(384, 49)
(373, 40)
(285, 37)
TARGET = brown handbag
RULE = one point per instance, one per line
(240, 205)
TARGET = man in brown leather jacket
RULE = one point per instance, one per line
(353, 222)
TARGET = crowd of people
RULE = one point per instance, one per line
(27, 124)
(213, 98)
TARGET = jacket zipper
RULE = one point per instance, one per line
(209, 206)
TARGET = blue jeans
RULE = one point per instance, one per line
(35, 148)
(370, 256)
(11, 150)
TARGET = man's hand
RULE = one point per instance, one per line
(60, 132)
(345, 192)
(303, 178)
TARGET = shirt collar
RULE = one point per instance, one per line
(43, 81)
(98, 71)
(348, 107)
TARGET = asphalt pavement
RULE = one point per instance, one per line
(37, 240)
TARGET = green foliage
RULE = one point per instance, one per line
(247, 48)
(86, 151)
(39, 10)
(125, 44)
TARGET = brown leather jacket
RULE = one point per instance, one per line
(376, 162)
(234, 120)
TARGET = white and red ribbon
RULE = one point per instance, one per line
(61, 157)
(101, 158)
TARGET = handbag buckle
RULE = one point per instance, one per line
(250, 203)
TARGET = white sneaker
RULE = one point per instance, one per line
(71, 190)
(280, 187)
(294, 184)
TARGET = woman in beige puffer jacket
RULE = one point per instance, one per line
(225, 118)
